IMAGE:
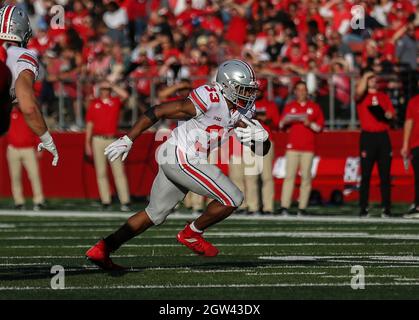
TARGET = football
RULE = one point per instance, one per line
(240, 124)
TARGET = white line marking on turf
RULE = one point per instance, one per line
(366, 276)
(279, 234)
(181, 216)
(7, 226)
(201, 286)
(159, 231)
(216, 271)
(338, 257)
(284, 273)
(252, 244)
(23, 264)
(366, 259)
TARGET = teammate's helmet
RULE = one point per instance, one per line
(14, 25)
(238, 82)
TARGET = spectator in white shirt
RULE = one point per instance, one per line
(116, 19)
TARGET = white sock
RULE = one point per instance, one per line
(195, 229)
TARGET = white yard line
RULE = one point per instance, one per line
(216, 271)
(253, 244)
(308, 229)
(366, 276)
(7, 226)
(182, 216)
(24, 264)
(284, 273)
(366, 259)
(406, 258)
(232, 234)
(206, 286)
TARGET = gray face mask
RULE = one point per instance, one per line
(237, 82)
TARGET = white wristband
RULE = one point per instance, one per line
(127, 140)
(46, 138)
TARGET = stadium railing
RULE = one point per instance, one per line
(335, 92)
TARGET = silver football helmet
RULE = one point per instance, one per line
(238, 83)
(14, 25)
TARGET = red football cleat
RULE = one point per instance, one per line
(195, 242)
(99, 255)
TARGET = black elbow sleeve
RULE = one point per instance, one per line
(151, 114)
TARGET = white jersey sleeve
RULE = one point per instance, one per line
(27, 61)
(19, 60)
(200, 97)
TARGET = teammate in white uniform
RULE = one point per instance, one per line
(212, 113)
(15, 32)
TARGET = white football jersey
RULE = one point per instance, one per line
(212, 126)
(18, 60)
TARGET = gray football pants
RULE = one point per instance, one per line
(178, 174)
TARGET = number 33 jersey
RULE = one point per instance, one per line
(211, 127)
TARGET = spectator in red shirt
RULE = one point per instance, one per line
(375, 111)
(101, 129)
(21, 152)
(41, 42)
(302, 119)
(411, 142)
(237, 27)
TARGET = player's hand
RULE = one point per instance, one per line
(117, 148)
(254, 132)
(47, 143)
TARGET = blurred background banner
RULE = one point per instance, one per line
(78, 180)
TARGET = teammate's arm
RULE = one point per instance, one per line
(176, 110)
(33, 116)
(28, 103)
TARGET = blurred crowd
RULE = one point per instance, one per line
(160, 49)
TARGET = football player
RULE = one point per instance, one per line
(15, 32)
(211, 113)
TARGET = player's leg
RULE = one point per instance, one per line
(163, 198)
(206, 180)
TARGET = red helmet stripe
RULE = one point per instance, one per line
(6, 17)
(251, 70)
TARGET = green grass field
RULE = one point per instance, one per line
(260, 257)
